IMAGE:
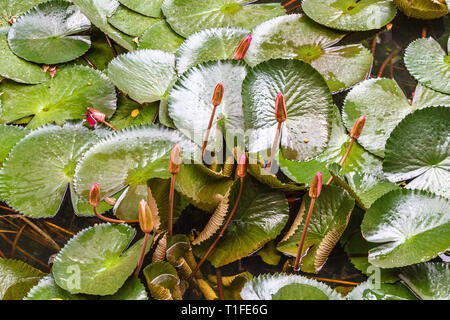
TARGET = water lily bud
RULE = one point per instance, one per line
(94, 195)
(316, 186)
(218, 94)
(242, 166)
(97, 115)
(145, 217)
(280, 108)
(175, 160)
(358, 127)
(90, 120)
(242, 48)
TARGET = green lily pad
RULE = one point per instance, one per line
(151, 8)
(207, 45)
(287, 287)
(48, 33)
(422, 9)
(9, 136)
(380, 291)
(190, 104)
(429, 64)
(350, 15)
(126, 117)
(145, 75)
(93, 261)
(306, 131)
(328, 221)
(130, 22)
(418, 149)
(47, 158)
(297, 37)
(410, 226)
(429, 281)
(160, 36)
(260, 216)
(17, 69)
(162, 280)
(163, 115)
(189, 16)
(98, 12)
(65, 97)
(14, 8)
(16, 278)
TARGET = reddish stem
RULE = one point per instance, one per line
(298, 259)
(341, 163)
(171, 196)
(141, 258)
(205, 141)
(112, 220)
(220, 284)
(274, 146)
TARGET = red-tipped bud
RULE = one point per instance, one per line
(175, 160)
(316, 186)
(242, 166)
(218, 94)
(90, 120)
(97, 115)
(145, 217)
(358, 127)
(242, 48)
(94, 195)
(280, 108)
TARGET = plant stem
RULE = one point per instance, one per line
(220, 284)
(171, 196)
(274, 146)
(302, 240)
(16, 239)
(386, 61)
(109, 125)
(141, 258)
(89, 62)
(112, 220)
(205, 141)
(114, 51)
(341, 163)
(336, 281)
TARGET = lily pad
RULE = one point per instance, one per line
(410, 226)
(130, 22)
(328, 221)
(17, 69)
(287, 287)
(160, 36)
(429, 281)
(47, 158)
(380, 291)
(162, 280)
(94, 262)
(422, 9)
(130, 113)
(429, 63)
(9, 136)
(48, 33)
(350, 15)
(306, 131)
(260, 216)
(297, 37)
(189, 16)
(65, 97)
(190, 104)
(151, 8)
(418, 149)
(207, 45)
(17, 278)
(145, 75)
(14, 8)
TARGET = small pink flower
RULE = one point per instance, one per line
(242, 48)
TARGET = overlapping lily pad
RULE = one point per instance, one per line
(410, 226)
(160, 36)
(306, 131)
(48, 33)
(297, 37)
(65, 97)
(14, 8)
(207, 45)
(162, 280)
(419, 149)
(351, 15)
(145, 75)
(130, 113)
(429, 63)
(151, 8)
(287, 287)
(380, 291)
(422, 9)
(9, 136)
(130, 22)
(94, 261)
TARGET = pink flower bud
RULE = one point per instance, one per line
(242, 48)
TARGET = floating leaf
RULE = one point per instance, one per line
(429, 281)
(130, 113)
(160, 36)
(410, 226)
(16, 278)
(262, 175)
(190, 104)
(47, 33)
(9, 136)
(93, 261)
(306, 131)
(145, 75)
(287, 287)
(14, 8)
(422, 9)
(328, 221)
(260, 216)
(130, 22)
(429, 64)
(151, 8)
(162, 280)
(351, 15)
(65, 97)
(419, 149)
(296, 37)
(216, 14)
(380, 291)
(207, 45)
